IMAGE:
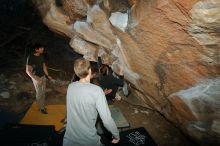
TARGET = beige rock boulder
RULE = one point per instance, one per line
(170, 51)
(54, 17)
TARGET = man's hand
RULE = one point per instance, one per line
(50, 78)
(115, 140)
(107, 91)
(39, 81)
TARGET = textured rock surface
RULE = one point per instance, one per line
(170, 51)
(54, 17)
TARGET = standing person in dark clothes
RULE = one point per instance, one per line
(108, 81)
(36, 69)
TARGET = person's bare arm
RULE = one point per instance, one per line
(121, 71)
(46, 71)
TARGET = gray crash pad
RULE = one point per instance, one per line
(118, 117)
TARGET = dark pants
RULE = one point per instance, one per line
(106, 139)
(106, 136)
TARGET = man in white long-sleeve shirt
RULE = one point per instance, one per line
(84, 102)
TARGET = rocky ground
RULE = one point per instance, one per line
(17, 95)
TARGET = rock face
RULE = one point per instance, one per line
(170, 50)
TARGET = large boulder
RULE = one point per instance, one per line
(170, 51)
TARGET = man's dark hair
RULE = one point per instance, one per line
(105, 70)
(36, 46)
(59, 3)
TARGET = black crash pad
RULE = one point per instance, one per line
(136, 137)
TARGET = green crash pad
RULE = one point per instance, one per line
(118, 117)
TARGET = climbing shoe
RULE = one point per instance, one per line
(43, 111)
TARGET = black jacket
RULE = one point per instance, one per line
(111, 82)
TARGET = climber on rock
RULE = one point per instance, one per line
(109, 81)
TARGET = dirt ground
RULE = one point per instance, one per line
(163, 132)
